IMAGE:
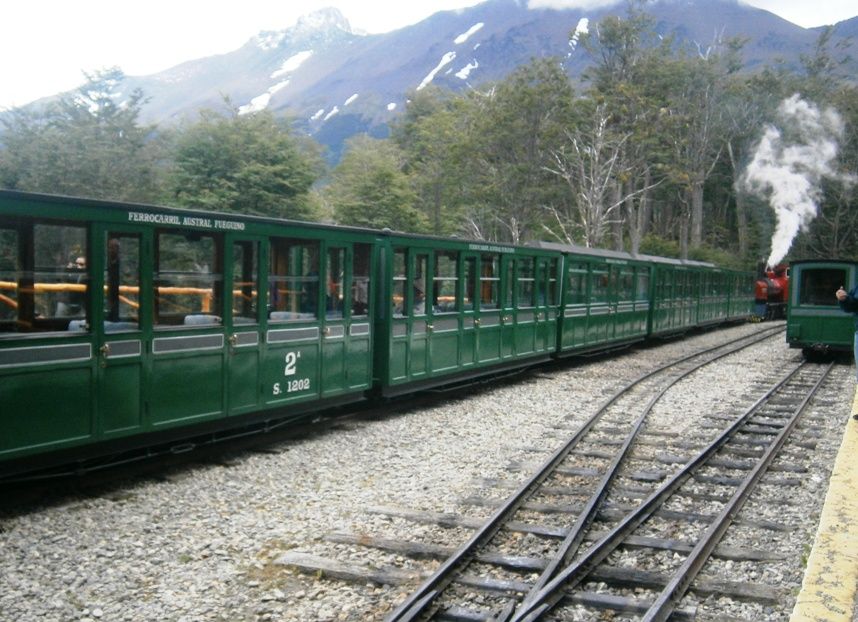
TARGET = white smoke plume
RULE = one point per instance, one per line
(790, 162)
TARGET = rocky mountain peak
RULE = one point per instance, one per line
(320, 26)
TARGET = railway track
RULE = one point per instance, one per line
(572, 489)
(558, 547)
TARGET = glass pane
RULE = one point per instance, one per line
(470, 299)
(9, 273)
(489, 280)
(334, 303)
(245, 289)
(525, 282)
(61, 279)
(188, 280)
(576, 294)
(600, 285)
(541, 283)
(122, 282)
(627, 284)
(642, 289)
(445, 282)
(552, 282)
(510, 284)
(360, 280)
(419, 285)
(294, 280)
(818, 285)
(399, 278)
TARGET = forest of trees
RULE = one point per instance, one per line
(649, 155)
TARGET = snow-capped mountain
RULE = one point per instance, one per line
(335, 82)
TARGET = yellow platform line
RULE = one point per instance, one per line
(828, 590)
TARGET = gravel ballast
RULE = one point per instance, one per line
(202, 542)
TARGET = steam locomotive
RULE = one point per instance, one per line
(771, 291)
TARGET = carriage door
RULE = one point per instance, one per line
(346, 332)
(122, 301)
(336, 326)
(470, 308)
(421, 324)
(507, 316)
(243, 362)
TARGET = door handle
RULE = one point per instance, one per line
(233, 339)
(105, 350)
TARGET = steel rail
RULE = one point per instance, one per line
(554, 591)
(573, 540)
(419, 600)
(675, 590)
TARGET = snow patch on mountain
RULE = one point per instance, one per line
(318, 114)
(292, 63)
(581, 29)
(351, 99)
(448, 58)
(465, 71)
(391, 106)
(334, 111)
(467, 35)
(260, 102)
(269, 40)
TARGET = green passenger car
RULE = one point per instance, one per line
(453, 309)
(815, 322)
(605, 299)
(120, 323)
(137, 328)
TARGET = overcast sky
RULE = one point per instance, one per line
(46, 45)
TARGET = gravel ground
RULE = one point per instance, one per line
(201, 544)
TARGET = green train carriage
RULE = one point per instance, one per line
(454, 309)
(125, 327)
(815, 322)
(606, 298)
(179, 320)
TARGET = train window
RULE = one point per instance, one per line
(541, 283)
(576, 292)
(8, 279)
(334, 303)
(489, 281)
(61, 278)
(817, 286)
(510, 283)
(245, 262)
(552, 282)
(418, 289)
(526, 289)
(469, 301)
(626, 284)
(400, 267)
(121, 282)
(600, 288)
(44, 283)
(360, 280)
(188, 279)
(642, 286)
(445, 282)
(294, 280)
